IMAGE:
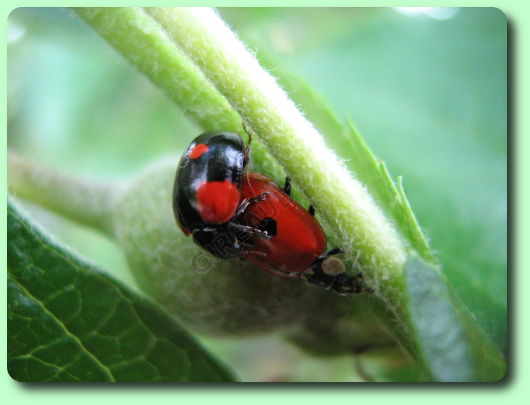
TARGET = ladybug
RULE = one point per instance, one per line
(296, 243)
(234, 214)
(207, 194)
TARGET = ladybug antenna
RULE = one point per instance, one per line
(248, 131)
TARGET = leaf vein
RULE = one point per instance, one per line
(105, 369)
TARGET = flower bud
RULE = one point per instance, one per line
(210, 295)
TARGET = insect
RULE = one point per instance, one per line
(231, 213)
(296, 243)
(207, 194)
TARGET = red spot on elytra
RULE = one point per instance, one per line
(197, 150)
(217, 201)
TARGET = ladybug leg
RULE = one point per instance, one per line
(249, 201)
(248, 251)
(248, 230)
(332, 252)
(218, 242)
(287, 186)
(287, 190)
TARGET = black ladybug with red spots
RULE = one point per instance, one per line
(231, 213)
(207, 193)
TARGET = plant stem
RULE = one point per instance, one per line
(357, 221)
(84, 201)
(140, 39)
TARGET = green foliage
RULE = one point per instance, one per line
(450, 344)
(69, 322)
(439, 123)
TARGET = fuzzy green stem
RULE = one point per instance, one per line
(140, 39)
(359, 224)
(84, 201)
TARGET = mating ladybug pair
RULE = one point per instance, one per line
(231, 213)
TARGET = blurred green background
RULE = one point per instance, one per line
(425, 87)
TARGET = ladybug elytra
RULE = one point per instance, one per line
(296, 243)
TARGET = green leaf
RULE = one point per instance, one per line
(450, 345)
(69, 322)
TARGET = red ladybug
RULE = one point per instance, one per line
(296, 243)
(233, 214)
